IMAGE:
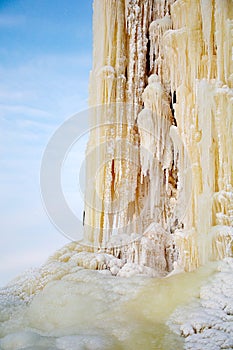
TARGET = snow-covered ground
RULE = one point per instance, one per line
(67, 305)
(207, 322)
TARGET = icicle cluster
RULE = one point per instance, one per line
(163, 71)
(198, 50)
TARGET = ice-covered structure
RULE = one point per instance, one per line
(159, 192)
(159, 158)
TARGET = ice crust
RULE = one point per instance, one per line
(66, 306)
(207, 322)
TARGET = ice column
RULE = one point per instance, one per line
(162, 157)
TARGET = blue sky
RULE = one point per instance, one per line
(45, 59)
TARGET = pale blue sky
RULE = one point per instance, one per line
(45, 59)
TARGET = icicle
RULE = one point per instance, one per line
(167, 159)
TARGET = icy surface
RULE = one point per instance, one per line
(65, 306)
(207, 322)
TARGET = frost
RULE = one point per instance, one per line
(84, 342)
(208, 321)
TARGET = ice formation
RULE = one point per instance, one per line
(207, 322)
(67, 304)
(163, 71)
(159, 196)
(64, 305)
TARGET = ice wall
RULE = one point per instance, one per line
(198, 51)
(160, 162)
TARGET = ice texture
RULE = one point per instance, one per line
(161, 201)
(162, 70)
(207, 321)
(64, 305)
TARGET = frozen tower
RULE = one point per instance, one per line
(159, 157)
